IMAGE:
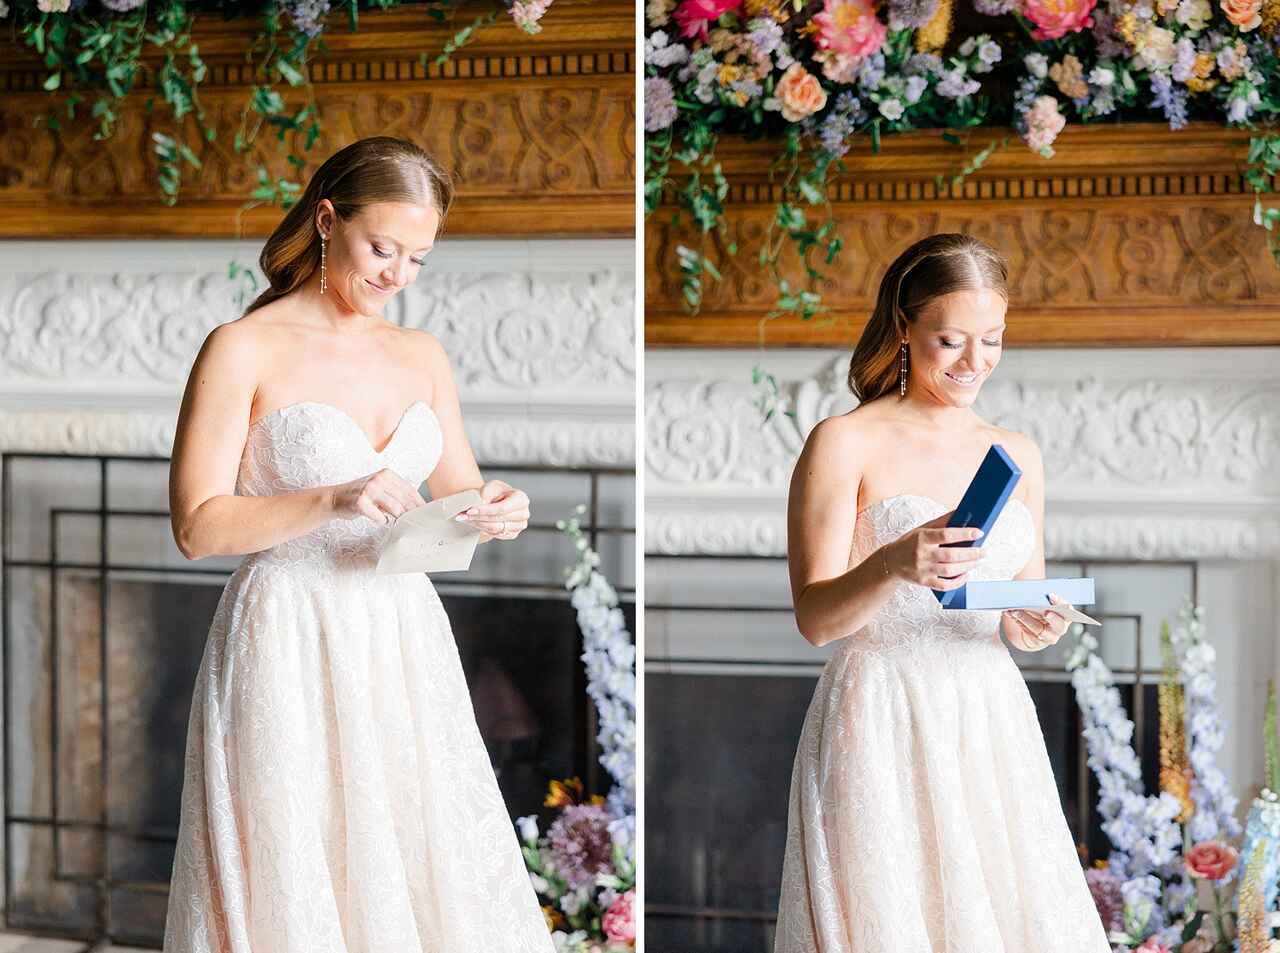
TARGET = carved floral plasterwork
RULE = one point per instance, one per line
(1204, 449)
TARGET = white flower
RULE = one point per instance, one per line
(528, 828)
(1037, 64)
(1155, 48)
(1194, 14)
(1102, 76)
(4, 9)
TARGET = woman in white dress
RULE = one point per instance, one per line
(924, 816)
(338, 797)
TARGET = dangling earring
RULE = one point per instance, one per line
(324, 277)
(902, 371)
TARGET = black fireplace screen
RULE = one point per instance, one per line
(104, 624)
(730, 709)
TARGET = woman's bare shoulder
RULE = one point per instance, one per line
(1022, 447)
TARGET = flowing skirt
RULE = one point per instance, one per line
(337, 796)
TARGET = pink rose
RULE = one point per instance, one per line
(1211, 860)
(1152, 945)
(1243, 13)
(619, 921)
(1044, 122)
(694, 15)
(1055, 18)
(850, 27)
(800, 93)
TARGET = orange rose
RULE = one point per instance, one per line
(1211, 860)
(1243, 13)
(800, 93)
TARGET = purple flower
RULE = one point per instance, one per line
(836, 129)
(308, 15)
(1169, 98)
(995, 8)
(1105, 887)
(122, 6)
(765, 35)
(954, 84)
(659, 104)
(581, 844)
(911, 13)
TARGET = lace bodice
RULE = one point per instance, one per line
(316, 444)
(912, 615)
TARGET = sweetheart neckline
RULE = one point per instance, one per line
(369, 443)
(921, 496)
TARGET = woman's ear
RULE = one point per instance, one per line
(324, 218)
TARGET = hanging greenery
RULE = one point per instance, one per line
(98, 52)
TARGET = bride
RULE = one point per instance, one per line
(923, 816)
(338, 797)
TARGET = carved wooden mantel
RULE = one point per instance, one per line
(1131, 234)
(539, 130)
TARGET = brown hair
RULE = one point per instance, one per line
(933, 266)
(376, 169)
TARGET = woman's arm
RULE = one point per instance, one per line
(207, 519)
(503, 511)
(831, 600)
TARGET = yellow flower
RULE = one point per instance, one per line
(1127, 27)
(932, 37)
(1069, 75)
(727, 75)
(1197, 85)
(659, 12)
(563, 793)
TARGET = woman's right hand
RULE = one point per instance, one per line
(918, 555)
(382, 497)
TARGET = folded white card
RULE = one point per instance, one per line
(1070, 614)
(429, 539)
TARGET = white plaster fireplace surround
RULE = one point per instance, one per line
(96, 339)
(1150, 455)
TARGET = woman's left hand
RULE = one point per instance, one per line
(502, 513)
(1031, 630)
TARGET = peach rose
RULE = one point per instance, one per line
(1246, 14)
(800, 93)
(1152, 945)
(1211, 860)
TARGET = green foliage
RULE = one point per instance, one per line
(98, 56)
(1263, 166)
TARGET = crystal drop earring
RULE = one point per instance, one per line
(324, 278)
(902, 371)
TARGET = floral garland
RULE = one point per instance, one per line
(1147, 891)
(585, 864)
(95, 49)
(817, 76)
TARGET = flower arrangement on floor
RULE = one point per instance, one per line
(94, 50)
(817, 75)
(584, 866)
(1164, 886)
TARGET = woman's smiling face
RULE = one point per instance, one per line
(954, 345)
(377, 253)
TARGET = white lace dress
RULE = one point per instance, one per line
(338, 797)
(924, 817)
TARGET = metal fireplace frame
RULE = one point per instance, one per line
(101, 935)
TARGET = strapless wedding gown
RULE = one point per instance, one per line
(338, 797)
(924, 816)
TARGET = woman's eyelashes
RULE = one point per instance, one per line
(956, 344)
(383, 254)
